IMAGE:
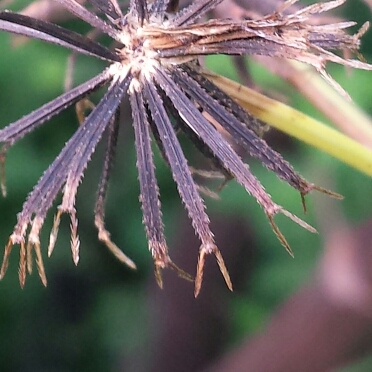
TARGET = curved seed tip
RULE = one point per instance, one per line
(74, 240)
(104, 236)
(29, 257)
(297, 220)
(280, 236)
(22, 265)
(164, 263)
(52, 243)
(118, 253)
(8, 249)
(311, 187)
(40, 264)
(328, 192)
(75, 249)
(42, 275)
(125, 259)
(204, 250)
(158, 276)
(199, 273)
(75, 258)
(223, 269)
(181, 273)
(22, 282)
(362, 30)
(54, 233)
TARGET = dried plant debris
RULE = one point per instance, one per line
(156, 65)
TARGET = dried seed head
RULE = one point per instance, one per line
(156, 65)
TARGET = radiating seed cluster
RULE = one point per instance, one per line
(155, 64)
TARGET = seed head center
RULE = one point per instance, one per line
(137, 53)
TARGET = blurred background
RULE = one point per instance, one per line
(102, 316)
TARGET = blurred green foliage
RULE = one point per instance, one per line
(94, 316)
